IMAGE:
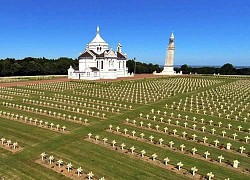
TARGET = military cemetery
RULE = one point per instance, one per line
(124, 90)
(179, 127)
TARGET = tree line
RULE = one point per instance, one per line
(226, 69)
(36, 66)
(142, 68)
(41, 66)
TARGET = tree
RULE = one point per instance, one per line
(185, 69)
(227, 69)
(36, 66)
(6, 66)
(42, 66)
(142, 67)
(243, 71)
(1, 66)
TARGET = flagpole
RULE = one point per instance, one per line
(134, 67)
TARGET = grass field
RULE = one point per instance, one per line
(147, 114)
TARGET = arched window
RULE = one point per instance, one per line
(101, 64)
(123, 64)
(97, 48)
(96, 64)
(119, 64)
(100, 48)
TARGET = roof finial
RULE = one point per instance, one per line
(172, 35)
(97, 30)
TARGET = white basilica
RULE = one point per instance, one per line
(99, 62)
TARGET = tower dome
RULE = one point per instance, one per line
(98, 45)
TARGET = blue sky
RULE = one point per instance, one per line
(210, 32)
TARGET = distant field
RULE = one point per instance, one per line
(152, 128)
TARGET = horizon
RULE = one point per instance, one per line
(161, 65)
(212, 33)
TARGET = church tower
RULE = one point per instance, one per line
(169, 61)
(98, 45)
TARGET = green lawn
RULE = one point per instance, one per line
(104, 162)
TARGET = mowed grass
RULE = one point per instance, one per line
(25, 135)
(18, 166)
(69, 125)
(102, 161)
(3, 153)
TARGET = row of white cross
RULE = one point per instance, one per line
(31, 120)
(182, 146)
(89, 100)
(142, 153)
(6, 97)
(184, 135)
(24, 90)
(9, 143)
(51, 159)
(55, 114)
(186, 118)
(14, 93)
